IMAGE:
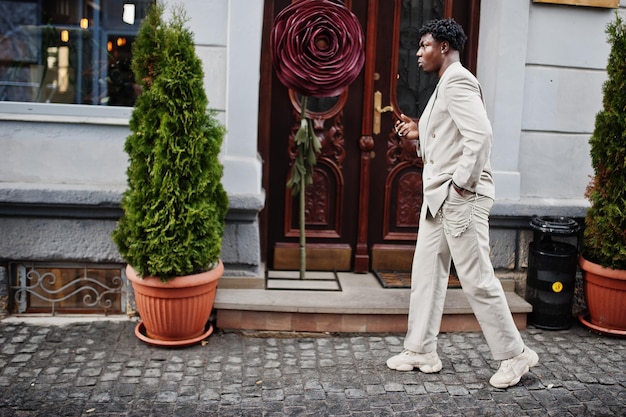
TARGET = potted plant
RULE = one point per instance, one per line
(604, 242)
(174, 207)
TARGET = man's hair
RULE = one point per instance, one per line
(445, 30)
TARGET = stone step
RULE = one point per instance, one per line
(360, 305)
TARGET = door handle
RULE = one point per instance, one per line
(378, 110)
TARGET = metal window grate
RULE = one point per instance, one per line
(66, 288)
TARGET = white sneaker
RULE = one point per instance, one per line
(511, 370)
(407, 360)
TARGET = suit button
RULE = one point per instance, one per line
(431, 162)
(434, 135)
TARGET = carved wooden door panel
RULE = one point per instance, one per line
(395, 185)
(363, 208)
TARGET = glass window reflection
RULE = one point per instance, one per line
(69, 51)
(414, 86)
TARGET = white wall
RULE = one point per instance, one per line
(501, 59)
(228, 40)
(59, 153)
(542, 67)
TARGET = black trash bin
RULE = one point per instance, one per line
(552, 272)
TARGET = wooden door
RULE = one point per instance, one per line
(363, 208)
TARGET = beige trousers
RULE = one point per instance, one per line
(459, 232)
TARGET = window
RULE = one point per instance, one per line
(69, 51)
(414, 87)
(66, 288)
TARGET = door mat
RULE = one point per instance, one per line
(394, 279)
(313, 281)
(402, 279)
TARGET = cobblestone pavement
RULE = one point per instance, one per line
(102, 369)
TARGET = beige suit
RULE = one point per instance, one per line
(455, 139)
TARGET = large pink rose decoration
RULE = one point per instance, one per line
(317, 47)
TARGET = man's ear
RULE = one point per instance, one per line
(445, 47)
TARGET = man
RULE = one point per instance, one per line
(455, 137)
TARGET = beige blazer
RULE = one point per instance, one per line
(455, 138)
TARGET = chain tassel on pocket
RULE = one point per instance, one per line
(465, 226)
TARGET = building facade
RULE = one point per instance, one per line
(63, 165)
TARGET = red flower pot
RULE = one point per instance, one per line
(176, 312)
(605, 295)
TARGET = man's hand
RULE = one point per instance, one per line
(405, 126)
(459, 190)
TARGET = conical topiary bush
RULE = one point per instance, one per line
(603, 260)
(175, 205)
(605, 232)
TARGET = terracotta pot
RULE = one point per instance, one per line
(176, 312)
(605, 295)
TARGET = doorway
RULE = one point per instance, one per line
(363, 207)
